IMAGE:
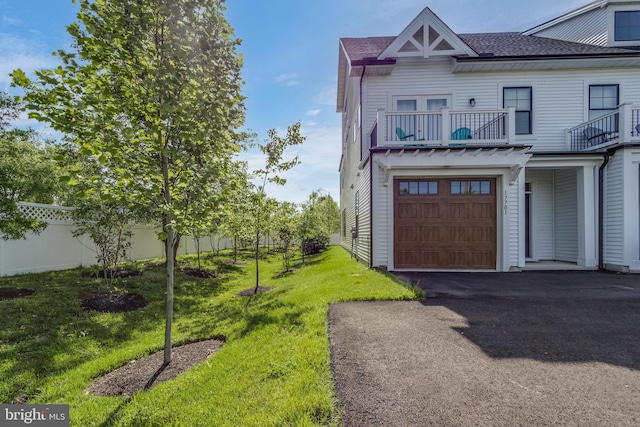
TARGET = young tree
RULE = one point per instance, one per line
(108, 224)
(285, 227)
(274, 164)
(153, 91)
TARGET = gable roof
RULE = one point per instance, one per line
(370, 47)
(427, 35)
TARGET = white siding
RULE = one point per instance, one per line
(566, 216)
(559, 96)
(614, 210)
(590, 28)
(381, 219)
(541, 212)
(350, 182)
(363, 242)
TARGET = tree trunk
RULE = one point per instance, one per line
(235, 249)
(176, 246)
(170, 254)
(197, 241)
(257, 268)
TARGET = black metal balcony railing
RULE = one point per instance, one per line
(413, 127)
(595, 132)
(483, 126)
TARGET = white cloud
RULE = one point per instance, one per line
(313, 113)
(319, 160)
(288, 79)
(326, 96)
(10, 20)
(21, 53)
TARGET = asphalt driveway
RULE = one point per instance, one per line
(534, 348)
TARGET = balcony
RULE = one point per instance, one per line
(621, 126)
(442, 128)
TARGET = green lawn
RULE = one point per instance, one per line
(273, 370)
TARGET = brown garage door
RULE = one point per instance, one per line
(445, 223)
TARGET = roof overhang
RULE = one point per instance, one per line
(511, 157)
(480, 64)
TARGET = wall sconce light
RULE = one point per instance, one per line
(472, 102)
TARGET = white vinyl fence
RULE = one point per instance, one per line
(56, 248)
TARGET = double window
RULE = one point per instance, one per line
(627, 26)
(521, 99)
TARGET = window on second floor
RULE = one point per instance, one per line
(627, 26)
(520, 98)
(603, 99)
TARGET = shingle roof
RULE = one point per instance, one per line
(497, 44)
(358, 49)
(516, 44)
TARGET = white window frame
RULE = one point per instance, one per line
(611, 24)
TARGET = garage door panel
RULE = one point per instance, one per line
(481, 258)
(406, 210)
(429, 210)
(408, 234)
(430, 259)
(459, 210)
(483, 210)
(430, 234)
(446, 230)
(407, 259)
(458, 234)
(483, 234)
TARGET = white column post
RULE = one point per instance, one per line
(587, 225)
(511, 125)
(625, 123)
(382, 127)
(445, 130)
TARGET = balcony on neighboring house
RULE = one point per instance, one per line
(442, 128)
(621, 126)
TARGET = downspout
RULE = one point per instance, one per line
(607, 156)
(364, 69)
(370, 209)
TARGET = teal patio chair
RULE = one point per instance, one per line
(403, 137)
(461, 134)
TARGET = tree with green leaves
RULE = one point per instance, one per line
(27, 174)
(153, 92)
(285, 231)
(273, 150)
(320, 217)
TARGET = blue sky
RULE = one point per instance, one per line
(290, 50)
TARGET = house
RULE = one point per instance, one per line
(497, 151)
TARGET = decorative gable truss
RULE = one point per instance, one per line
(427, 36)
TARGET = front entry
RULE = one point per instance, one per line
(445, 223)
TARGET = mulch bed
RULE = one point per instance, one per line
(107, 302)
(9, 293)
(142, 374)
(197, 272)
(252, 291)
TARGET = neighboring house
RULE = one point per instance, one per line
(494, 151)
